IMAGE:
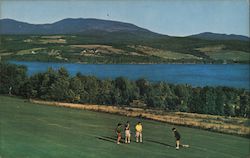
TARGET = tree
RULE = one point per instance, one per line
(229, 110)
(208, 97)
(105, 92)
(32, 88)
(196, 102)
(183, 93)
(128, 90)
(143, 86)
(12, 77)
(220, 102)
(57, 85)
(116, 97)
(77, 88)
(91, 89)
(244, 105)
(60, 91)
(63, 73)
(230, 102)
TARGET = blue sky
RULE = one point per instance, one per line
(171, 17)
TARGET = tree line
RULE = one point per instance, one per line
(58, 85)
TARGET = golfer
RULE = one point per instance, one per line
(138, 132)
(177, 137)
(127, 132)
(119, 132)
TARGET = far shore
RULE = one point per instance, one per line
(130, 63)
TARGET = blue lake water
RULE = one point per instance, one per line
(232, 75)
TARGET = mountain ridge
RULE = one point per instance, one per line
(69, 26)
(93, 25)
(219, 36)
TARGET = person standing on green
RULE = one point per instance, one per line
(177, 137)
(138, 132)
(119, 132)
(127, 132)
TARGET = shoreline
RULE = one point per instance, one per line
(131, 63)
(144, 75)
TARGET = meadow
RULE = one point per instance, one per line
(35, 130)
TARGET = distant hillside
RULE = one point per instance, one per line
(217, 36)
(69, 26)
(104, 41)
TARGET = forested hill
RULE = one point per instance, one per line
(68, 26)
(103, 41)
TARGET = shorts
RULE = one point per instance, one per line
(127, 133)
(138, 134)
(119, 135)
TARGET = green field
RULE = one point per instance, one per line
(230, 55)
(113, 48)
(32, 130)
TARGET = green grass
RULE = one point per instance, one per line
(165, 54)
(230, 55)
(32, 130)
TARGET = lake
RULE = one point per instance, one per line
(232, 75)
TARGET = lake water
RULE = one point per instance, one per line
(232, 75)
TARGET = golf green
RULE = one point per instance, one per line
(32, 130)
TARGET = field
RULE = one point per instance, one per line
(234, 55)
(121, 48)
(217, 53)
(33, 130)
(164, 53)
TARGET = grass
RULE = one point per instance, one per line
(33, 130)
(230, 55)
(223, 124)
(217, 52)
(164, 53)
(28, 51)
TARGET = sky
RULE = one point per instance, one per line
(170, 17)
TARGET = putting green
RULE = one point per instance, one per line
(38, 131)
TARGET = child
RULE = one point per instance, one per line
(177, 137)
(138, 132)
(119, 132)
(127, 132)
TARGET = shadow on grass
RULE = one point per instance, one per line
(156, 142)
(109, 139)
(122, 140)
(105, 139)
(112, 138)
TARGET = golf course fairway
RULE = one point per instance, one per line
(38, 131)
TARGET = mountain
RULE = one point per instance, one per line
(105, 41)
(69, 26)
(217, 36)
(94, 27)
